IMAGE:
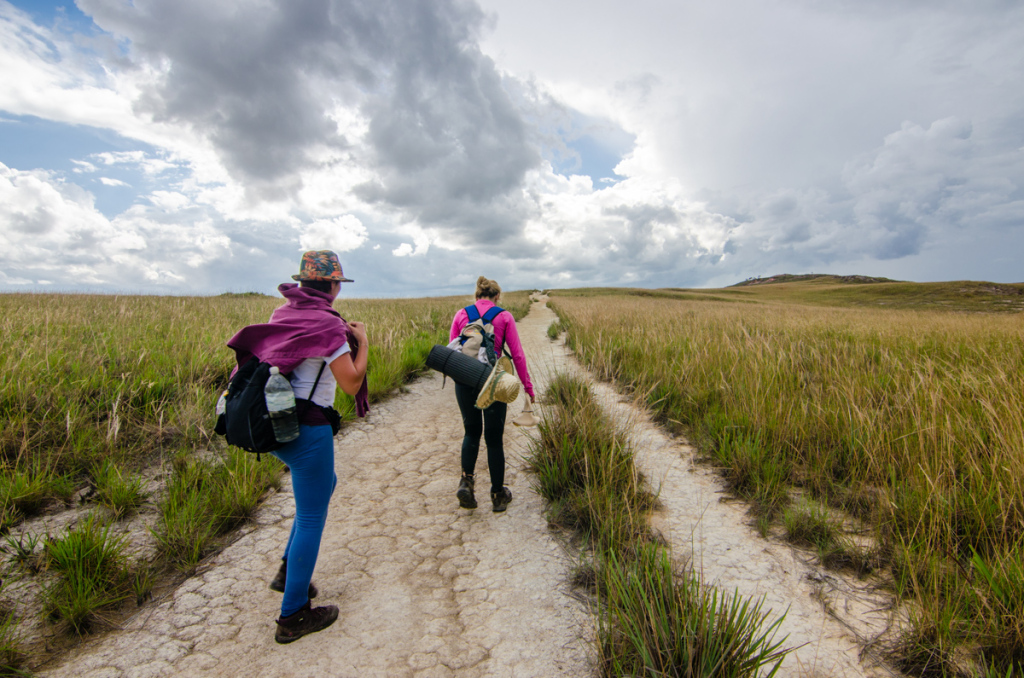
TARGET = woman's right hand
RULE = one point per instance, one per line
(359, 329)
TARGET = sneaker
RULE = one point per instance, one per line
(501, 500)
(277, 583)
(465, 493)
(307, 620)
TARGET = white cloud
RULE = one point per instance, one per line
(107, 181)
(169, 201)
(342, 234)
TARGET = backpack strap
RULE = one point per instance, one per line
(471, 313)
(491, 314)
(315, 384)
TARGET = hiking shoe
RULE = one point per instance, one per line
(277, 583)
(307, 620)
(501, 500)
(465, 493)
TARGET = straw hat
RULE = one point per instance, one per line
(501, 386)
(527, 418)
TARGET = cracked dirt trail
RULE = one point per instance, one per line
(425, 588)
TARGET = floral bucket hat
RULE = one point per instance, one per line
(320, 265)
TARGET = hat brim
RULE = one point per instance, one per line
(298, 276)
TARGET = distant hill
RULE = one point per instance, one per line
(823, 277)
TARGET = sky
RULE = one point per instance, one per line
(195, 147)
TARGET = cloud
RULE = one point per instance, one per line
(271, 85)
(341, 234)
(107, 181)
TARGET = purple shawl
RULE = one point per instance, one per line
(305, 327)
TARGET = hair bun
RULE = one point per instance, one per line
(487, 288)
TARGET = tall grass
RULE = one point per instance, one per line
(652, 619)
(910, 420)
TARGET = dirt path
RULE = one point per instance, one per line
(428, 589)
(425, 588)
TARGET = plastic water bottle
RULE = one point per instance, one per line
(281, 407)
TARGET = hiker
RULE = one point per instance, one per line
(303, 337)
(489, 422)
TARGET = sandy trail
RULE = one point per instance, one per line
(428, 589)
(425, 588)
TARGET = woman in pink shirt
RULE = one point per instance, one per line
(490, 423)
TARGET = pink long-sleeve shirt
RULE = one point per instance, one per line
(505, 333)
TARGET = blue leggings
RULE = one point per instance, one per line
(311, 460)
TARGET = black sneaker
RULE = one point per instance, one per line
(501, 500)
(465, 493)
(307, 620)
(277, 583)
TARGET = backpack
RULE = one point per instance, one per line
(245, 422)
(477, 337)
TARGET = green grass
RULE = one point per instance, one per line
(651, 619)
(11, 654)
(93, 574)
(661, 623)
(205, 500)
(910, 420)
(121, 493)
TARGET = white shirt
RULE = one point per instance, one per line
(303, 377)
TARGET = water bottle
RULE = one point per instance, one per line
(281, 407)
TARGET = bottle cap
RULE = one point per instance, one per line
(274, 370)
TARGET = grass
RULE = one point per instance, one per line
(205, 500)
(11, 654)
(651, 618)
(912, 421)
(93, 574)
(119, 492)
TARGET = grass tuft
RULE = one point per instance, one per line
(113, 490)
(204, 500)
(93, 574)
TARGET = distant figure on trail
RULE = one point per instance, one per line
(489, 422)
(301, 339)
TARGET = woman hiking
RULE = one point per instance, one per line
(302, 339)
(490, 423)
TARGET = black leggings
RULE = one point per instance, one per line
(490, 423)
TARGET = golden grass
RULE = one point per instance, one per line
(912, 420)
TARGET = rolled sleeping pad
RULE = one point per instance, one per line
(459, 366)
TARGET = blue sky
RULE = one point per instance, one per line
(192, 147)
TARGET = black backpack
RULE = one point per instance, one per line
(246, 421)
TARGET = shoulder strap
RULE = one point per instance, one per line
(492, 313)
(316, 383)
(471, 313)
